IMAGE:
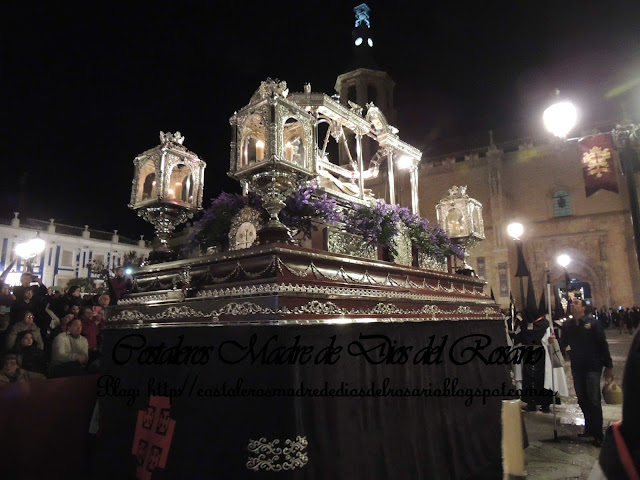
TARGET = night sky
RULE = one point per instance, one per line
(88, 85)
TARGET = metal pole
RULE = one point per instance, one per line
(628, 160)
(566, 287)
(553, 378)
(512, 307)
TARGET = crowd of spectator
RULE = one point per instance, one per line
(48, 332)
(624, 319)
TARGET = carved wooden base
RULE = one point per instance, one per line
(289, 284)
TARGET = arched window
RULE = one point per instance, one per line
(561, 203)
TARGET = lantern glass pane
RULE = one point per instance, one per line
(147, 188)
(187, 189)
(253, 142)
(455, 224)
(293, 146)
(179, 174)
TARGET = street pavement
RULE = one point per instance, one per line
(571, 457)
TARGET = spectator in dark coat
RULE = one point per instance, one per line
(589, 354)
(55, 301)
(72, 297)
(33, 358)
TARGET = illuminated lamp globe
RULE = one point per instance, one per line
(564, 260)
(560, 118)
(22, 250)
(405, 162)
(515, 230)
(30, 248)
(358, 41)
(36, 245)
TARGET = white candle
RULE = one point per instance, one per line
(259, 150)
(288, 152)
(512, 448)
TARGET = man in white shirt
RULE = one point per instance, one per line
(70, 351)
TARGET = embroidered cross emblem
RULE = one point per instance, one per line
(596, 161)
(152, 439)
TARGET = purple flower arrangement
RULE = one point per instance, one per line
(214, 225)
(432, 239)
(304, 205)
(300, 208)
(378, 225)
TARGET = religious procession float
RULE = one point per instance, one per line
(311, 328)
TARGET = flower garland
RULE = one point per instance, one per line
(432, 240)
(304, 205)
(300, 208)
(377, 223)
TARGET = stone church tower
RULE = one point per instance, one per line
(364, 82)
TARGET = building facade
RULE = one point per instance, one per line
(69, 251)
(541, 186)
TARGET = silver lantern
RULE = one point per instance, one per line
(167, 189)
(272, 151)
(461, 218)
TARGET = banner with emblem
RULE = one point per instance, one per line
(598, 167)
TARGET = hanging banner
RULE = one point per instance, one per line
(597, 164)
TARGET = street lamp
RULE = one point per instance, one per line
(515, 230)
(560, 118)
(28, 250)
(564, 260)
